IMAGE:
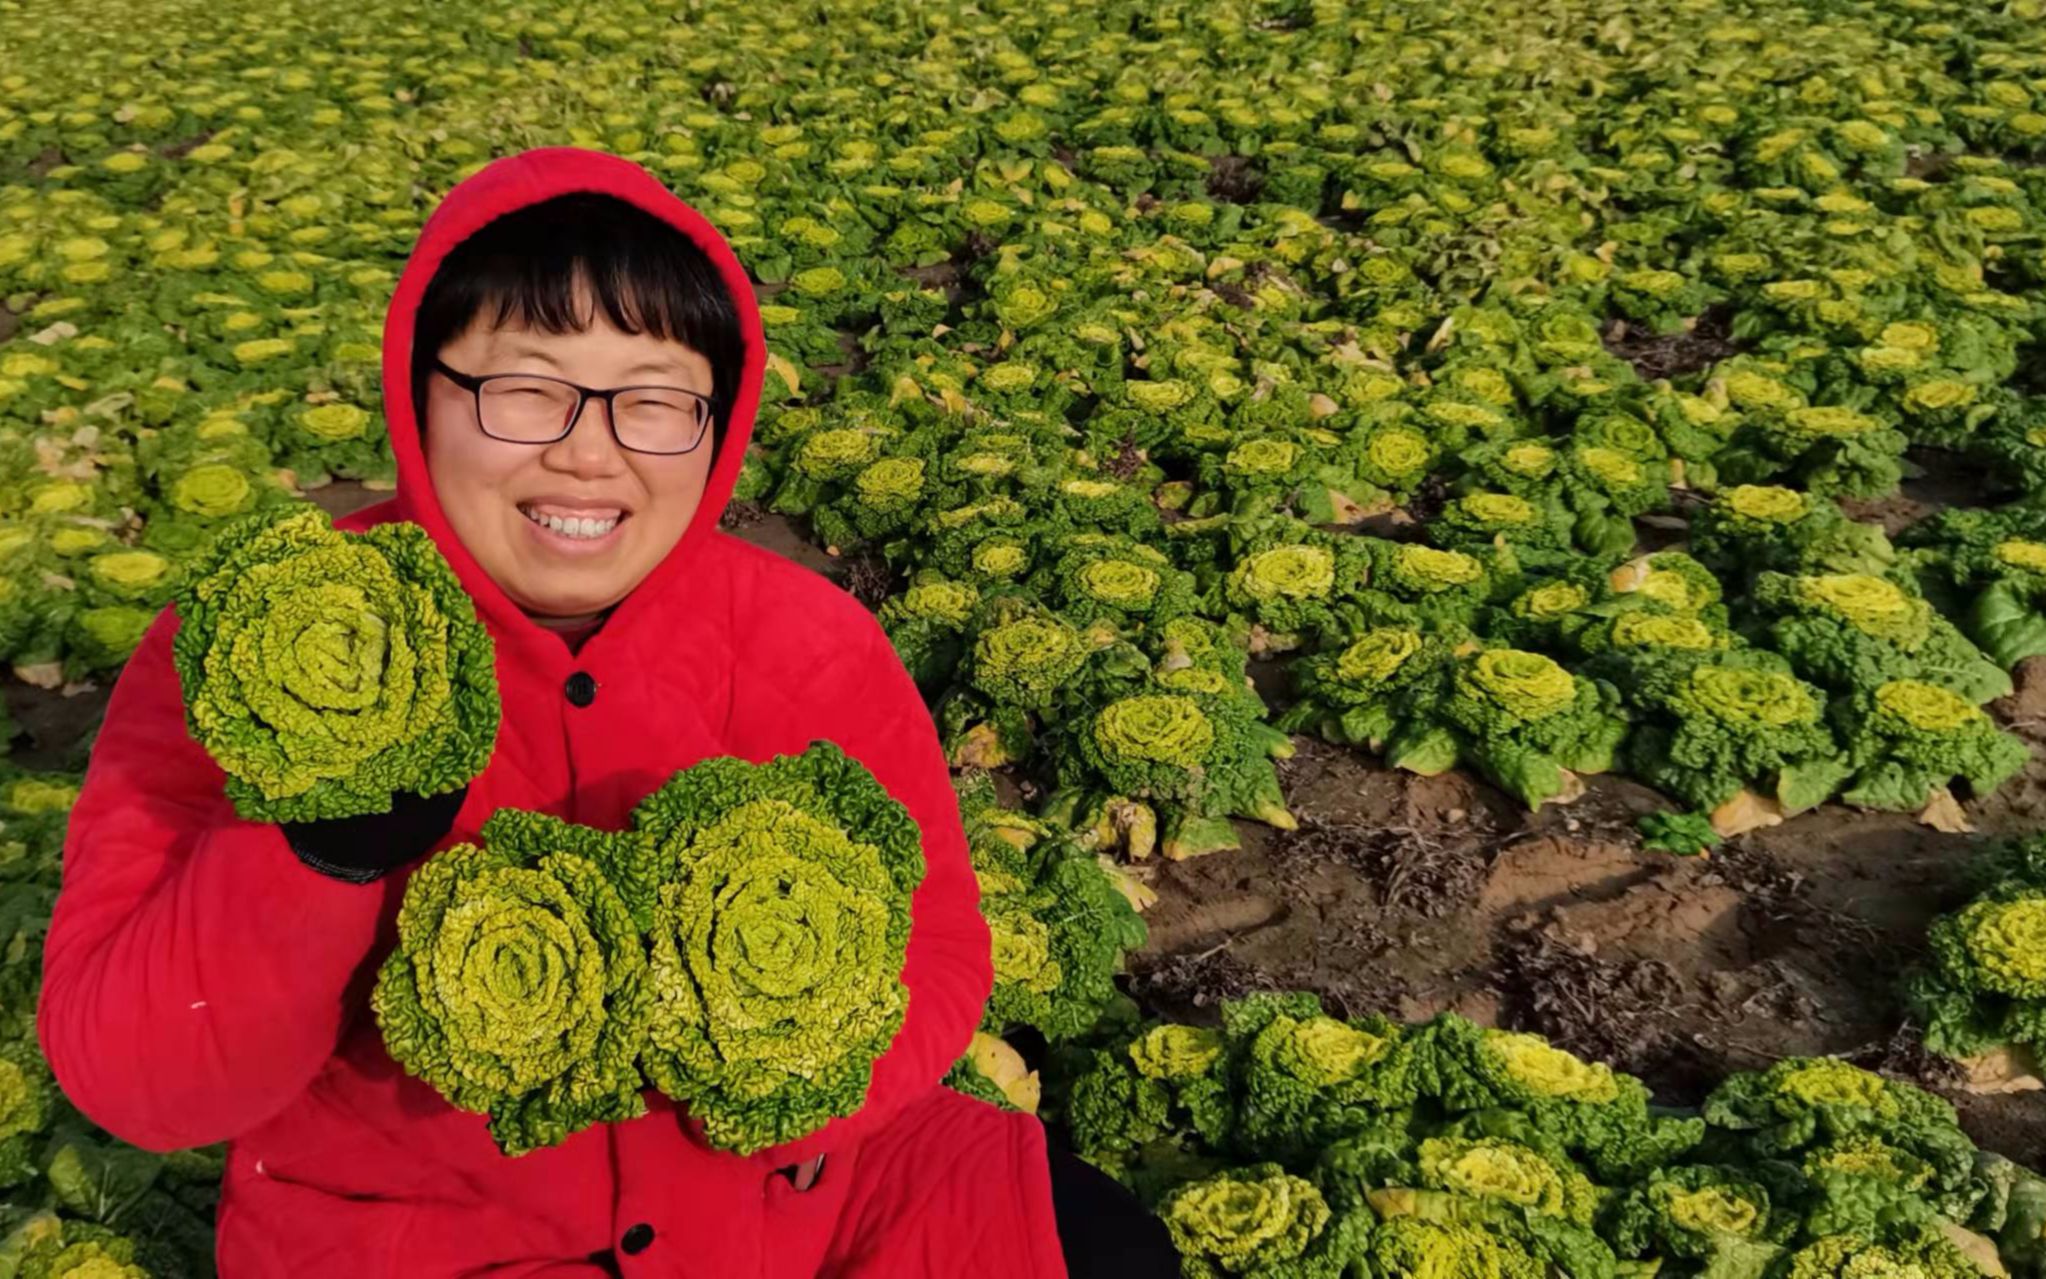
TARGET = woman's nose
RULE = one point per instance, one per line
(589, 448)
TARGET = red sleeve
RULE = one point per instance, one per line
(196, 974)
(950, 965)
(866, 703)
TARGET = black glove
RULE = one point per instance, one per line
(361, 849)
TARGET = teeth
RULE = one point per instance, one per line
(576, 528)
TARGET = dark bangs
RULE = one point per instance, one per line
(647, 277)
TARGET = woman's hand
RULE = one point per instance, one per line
(361, 849)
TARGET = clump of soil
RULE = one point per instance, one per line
(1234, 179)
(1428, 500)
(852, 358)
(55, 728)
(1904, 1055)
(738, 515)
(868, 579)
(1190, 984)
(1128, 459)
(185, 146)
(1613, 1012)
(1708, 340)
(1415, 872)
(344, 497)
(1938, 479)
(1236, 296)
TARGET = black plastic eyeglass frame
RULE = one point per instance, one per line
(473, 383)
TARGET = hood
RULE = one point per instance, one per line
(501, 187)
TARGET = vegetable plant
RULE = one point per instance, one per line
(1906, 740)
(326, 671)
(519, 984)
(1850, 632)
(766, 1044)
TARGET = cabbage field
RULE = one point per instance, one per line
(1522, 519)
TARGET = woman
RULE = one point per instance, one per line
(206, 977)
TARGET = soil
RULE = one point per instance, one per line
(185, 146)
(1234, 178)
(1413, 895)
(1699, 345)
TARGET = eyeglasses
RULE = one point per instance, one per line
(526, 408)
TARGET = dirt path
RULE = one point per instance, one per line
(1416, 895)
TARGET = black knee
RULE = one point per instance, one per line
(1105, 1232)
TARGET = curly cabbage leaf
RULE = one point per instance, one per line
(326, 671)
(519, 985)
(778, 928)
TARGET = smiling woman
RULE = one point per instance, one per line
(234, 947)
(565, 502)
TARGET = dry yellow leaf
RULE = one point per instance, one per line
(787, 369)
(2010, 1069)
(1745, 812)
(1943, 812)
(980, 748)
(41, 674)
(1135, 891)
(1005, 1068)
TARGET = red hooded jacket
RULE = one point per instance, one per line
(201, 984)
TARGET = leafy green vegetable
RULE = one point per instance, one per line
(1684, 834)
(1706, 732)
(1802, 1104)
(1592, 1110)
(1170, 724)
(1027, 661)
(1359, 693)
(766, 1043)
(1694, 1212)
(1259, 1222)
(1294, 581)
(1306, 1078)
(1906, 740)
(1411, 1246)
(1986, 983)
(1524, 722)
(1993, 564)
(519, 986)
(1203, 752)
(326, 671)
(928, 624)
(1059, 922)
(1539, 1177)
(27, 1097)
(1927, 1253)
(1752, 528)
(1127, 582)
(1853, 631)
(1828, 449)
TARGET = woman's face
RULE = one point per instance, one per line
(501, 497)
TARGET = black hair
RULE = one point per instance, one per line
(646, 276)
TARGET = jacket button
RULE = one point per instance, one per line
(637, 1238)
(581, 689)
